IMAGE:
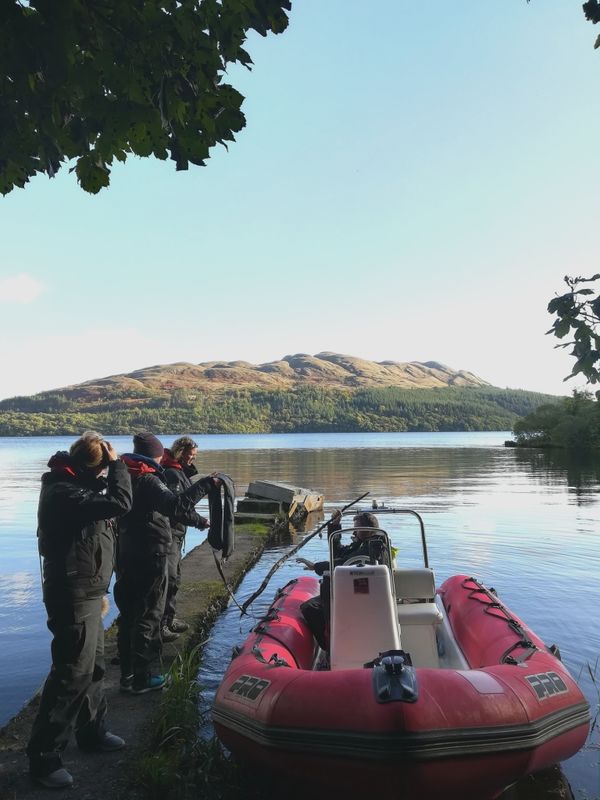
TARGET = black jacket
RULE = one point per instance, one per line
(146, 530)
(75, 528)
(342, 552)
(178, 480)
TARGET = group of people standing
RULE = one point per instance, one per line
(99, 513)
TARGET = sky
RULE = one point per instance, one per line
(413, 183)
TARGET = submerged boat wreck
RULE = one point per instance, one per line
(425, 692)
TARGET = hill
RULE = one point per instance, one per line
(324, 392)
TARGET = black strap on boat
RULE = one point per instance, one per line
(529, 650)
(274, 661)
(270, 616)
(281, 592)
(492, 604)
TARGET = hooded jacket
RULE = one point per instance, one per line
(75, 526)
(178, 479)
(146, 529)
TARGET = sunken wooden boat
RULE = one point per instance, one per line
(426, 693)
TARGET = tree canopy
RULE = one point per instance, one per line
(578, 317)
(591, 9)
(98, 80)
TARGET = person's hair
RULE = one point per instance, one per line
(180, 445)
(87, 450)
(365, 519)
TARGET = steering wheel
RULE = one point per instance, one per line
(357, 561)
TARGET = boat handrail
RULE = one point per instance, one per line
(384, 510)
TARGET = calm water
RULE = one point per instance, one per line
(523, 522)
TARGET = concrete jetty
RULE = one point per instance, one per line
(267, 500)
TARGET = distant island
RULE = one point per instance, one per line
(326, 392)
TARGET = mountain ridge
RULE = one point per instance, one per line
(297, 393)
(333, 370)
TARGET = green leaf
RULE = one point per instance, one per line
(92, 177)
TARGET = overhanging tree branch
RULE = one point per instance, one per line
(94, 81)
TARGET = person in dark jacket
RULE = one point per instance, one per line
(316, 611)
(178, 464)
(76, 542)
(144, 544)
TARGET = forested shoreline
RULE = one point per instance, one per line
(306, 409)
(571, 424)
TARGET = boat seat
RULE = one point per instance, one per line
(363, 616)
(414, 584)
(418, 615)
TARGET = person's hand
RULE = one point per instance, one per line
(216, 481)
(203, 524)
(307, 564)
(110, 454)
(336, 517)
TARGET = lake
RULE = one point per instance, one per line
(525, 522)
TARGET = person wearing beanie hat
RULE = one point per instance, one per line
(76, 540)
(146, 444)
(145, 541)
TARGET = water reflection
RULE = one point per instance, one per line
(524, 521)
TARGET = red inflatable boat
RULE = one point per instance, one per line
(426, 694)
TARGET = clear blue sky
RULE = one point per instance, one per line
(413, 183)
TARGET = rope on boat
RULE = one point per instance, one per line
(224, 579)
(529, 648)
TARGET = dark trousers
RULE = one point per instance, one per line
(140, 592)
(316, 612)
(73, 695)
(173, 579)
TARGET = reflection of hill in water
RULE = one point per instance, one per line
(433, 475)
(433, 478)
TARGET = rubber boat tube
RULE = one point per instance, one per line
(464, 733)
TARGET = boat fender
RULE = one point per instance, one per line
(394, 677)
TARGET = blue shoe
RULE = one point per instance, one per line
(150, 683)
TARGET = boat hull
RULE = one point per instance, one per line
(469, 733)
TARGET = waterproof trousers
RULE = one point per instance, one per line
(140, 592)
(73, 695)
(173, 578)
(316, 613)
